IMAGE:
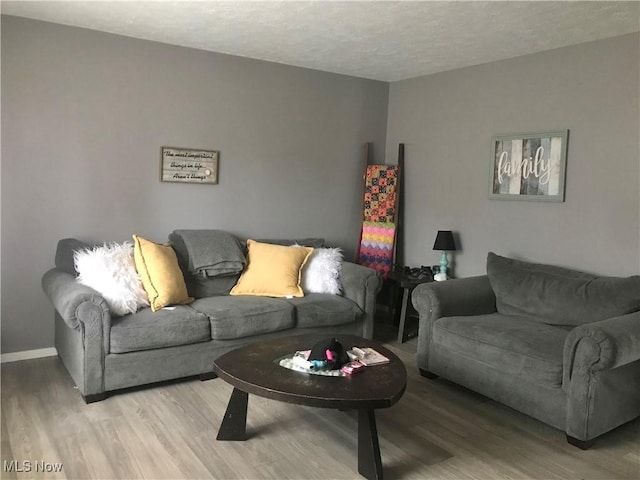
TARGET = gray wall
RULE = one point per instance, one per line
(447, 120)
(84, 115)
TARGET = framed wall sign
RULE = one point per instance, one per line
(529, 166)
(187, 165)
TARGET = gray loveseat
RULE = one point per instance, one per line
(559, 345)
(103, 353)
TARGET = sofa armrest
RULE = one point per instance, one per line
(602, 345)
(361, 284)
(82, 309)
(69, 298)
(457, 297)
(601, 375)
(463, 296)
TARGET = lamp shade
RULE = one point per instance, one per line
(444, 241)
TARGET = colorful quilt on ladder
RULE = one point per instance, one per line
(376, 246)
(378, 230)
(380, 193)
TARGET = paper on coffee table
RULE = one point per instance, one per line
(367, 355)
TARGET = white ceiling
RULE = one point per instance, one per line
(378, 40)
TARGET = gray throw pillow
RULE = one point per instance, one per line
(559, 296)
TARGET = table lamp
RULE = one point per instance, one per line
(445, 243)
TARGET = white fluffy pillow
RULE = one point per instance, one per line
(321, 273)
(111, 271)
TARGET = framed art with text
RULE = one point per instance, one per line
(186, 165)
(529, 166)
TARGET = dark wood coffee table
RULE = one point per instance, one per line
(252, 370)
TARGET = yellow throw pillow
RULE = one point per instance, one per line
(161, 276)
(272, 270)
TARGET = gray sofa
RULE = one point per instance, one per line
(559, 345)
(104, 353)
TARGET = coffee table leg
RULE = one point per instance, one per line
(234, 423)
(369, 462)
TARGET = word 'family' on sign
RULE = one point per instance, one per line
(537, 166)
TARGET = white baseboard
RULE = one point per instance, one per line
(28, 355)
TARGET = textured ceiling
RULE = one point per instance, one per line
(378, 40)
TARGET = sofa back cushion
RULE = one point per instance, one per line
(313, 242)
(559, 296)
(202, 287)
(65, 251)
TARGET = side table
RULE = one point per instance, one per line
(406, 283)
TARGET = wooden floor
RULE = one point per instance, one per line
(436, 431)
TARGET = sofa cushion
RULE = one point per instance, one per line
(234, 317)
(145, 330)
(111, 271)
(321, 274)
(515, 345)
(160, 273)
(559, 296)
(272, 270)
(321, 309)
